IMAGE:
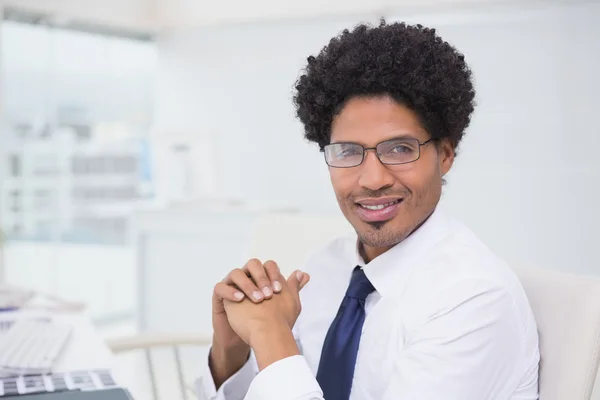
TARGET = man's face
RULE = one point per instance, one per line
(413, 188)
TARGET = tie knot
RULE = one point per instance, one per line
(360, 286)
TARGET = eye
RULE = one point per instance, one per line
(349, 152)
(401, 149)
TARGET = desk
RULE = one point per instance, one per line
(85, 350)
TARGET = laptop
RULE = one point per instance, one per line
(105, 394)
(74, 385)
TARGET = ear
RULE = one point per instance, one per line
(446, 155)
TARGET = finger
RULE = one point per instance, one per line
(301, 278)
(221, 293)
(304, 280)
(238, 278)
(295, 279)
(228, 292)
(259, 275)
(274, 275)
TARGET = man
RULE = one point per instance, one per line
(413, 306)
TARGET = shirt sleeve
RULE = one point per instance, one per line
(287, 379)
(290, 378)
(466, 350)
(234, 388)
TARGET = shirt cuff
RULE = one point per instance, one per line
(234, 388)
(287, 379)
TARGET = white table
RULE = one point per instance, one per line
(85, 350)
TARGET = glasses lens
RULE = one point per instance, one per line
(398, 151)
(343, 155)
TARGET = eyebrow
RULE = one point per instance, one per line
(398, 137)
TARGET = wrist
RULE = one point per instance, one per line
(229, 348)
(224, 362)
(273, 342)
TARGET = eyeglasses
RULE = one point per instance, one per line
(389, 152)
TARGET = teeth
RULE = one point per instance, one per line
(379, 207)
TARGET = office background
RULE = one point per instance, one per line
(132, 131)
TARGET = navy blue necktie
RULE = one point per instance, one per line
(338, 357)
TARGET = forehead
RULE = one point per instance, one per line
(370, 120)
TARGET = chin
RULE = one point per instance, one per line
(381, 234)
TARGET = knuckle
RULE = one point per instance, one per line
(253, 263)
(221, 290)
(237, 273)
(256, 269)
(272, 266)
(241, 281)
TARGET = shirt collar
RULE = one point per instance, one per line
(390, 271)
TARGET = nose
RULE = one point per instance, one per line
(374, 175)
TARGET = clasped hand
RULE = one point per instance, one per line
(255, 301)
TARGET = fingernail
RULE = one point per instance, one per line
(277, 286)
(238, 295)
(299, 275)
(267, 291)
(257, 295)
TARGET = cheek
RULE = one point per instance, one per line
(343, 181)
(420, 180)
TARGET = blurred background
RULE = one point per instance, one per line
(147, 147)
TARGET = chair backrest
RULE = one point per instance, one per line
(175, 389)
(289, 238)
(567, 312)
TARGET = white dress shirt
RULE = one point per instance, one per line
(448, 321)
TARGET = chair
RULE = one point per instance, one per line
(567, 312)
(290, 238)
(147, 342)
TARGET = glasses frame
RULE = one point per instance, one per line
(365, 149)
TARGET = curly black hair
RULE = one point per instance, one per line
(409, 63)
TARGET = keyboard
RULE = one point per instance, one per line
(32, 346)
(61, 382)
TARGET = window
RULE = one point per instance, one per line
(77, 109)
(77, 106)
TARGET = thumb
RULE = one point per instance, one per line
(298, 280)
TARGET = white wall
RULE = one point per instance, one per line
(527, 176)
(125, 14)
(234, 86)
(177, 13)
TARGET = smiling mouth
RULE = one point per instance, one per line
(379, 206)
(374, 210)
